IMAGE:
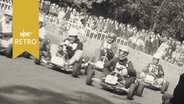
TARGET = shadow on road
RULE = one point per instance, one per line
(29, 95)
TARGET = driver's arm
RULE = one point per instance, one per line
(114, 47)
(145, 69)
(160, 72)
(131, 70)
(110, 63)
(77, 54)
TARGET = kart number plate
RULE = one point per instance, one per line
(99, 64)
(111, 79)
(58, 61)
(149, 78)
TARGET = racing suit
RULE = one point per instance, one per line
(157, 70)
(43, 38)
(5, 32)
(109, 49)
(73, 50)
(130, 76)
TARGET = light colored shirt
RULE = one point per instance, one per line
(42, 33)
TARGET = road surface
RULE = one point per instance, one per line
(23, 82)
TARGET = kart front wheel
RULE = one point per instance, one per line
(140, 89)
(9, 51)
(89, 77)
(76, 69)
(131, 91)
(37, 61)
(164, 87)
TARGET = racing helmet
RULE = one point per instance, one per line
(112, 35)
(124, 49)
(9, 12)
(156, 56)
(73, 32)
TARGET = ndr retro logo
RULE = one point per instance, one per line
(25, 38)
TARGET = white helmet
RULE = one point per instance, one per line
(156, 56)
(124, 48)
(112, 35)
(73, 32)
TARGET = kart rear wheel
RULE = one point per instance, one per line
(89, 77)
(140, 89)
(9, 51)
(164, 87)
(37, 61)
(26, 55)
(131, 91)
(76, 70)
(89, 67)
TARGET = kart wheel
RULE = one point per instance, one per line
(140, 89)
(37, 61)
(89, 67)
(131, 91)
(76, 69)
(164, 87)
(26, 55)
(89, 77)
(9, 51)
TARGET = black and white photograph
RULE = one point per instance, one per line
(97, 52)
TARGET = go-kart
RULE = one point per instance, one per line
(114, 81)
(150, 81)
(61, 62)
(6, 44)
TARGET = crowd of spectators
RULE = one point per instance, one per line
(146, 41)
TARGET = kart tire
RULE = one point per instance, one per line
(164, 87)
(37, 61)
(89, 77)
(89, 67)
(26, 55)
(9, 51)
(140, 89)
(131, 91)
(76, 70)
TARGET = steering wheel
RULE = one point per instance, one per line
(115, 73)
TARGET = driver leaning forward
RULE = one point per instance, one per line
(70, 49)
(108, 47)
(154, 68)
(128, 71)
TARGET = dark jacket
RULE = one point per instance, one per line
(72, 51)
(128, 64)
(178, 95)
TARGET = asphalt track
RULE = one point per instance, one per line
(23, 82)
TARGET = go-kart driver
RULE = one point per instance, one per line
(154, 68)
(109, 47)
(6, 28)
(128, 72)
(71, 46)
(42, 34)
